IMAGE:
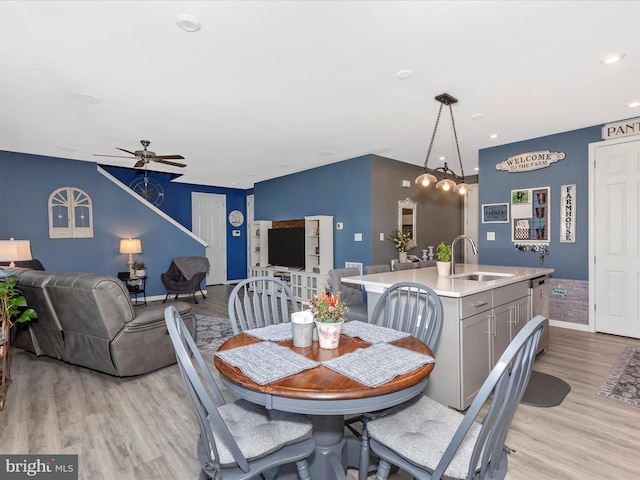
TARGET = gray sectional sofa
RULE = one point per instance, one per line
(88, 319)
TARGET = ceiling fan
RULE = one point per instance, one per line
(145, 156)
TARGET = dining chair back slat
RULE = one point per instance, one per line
(260, 301)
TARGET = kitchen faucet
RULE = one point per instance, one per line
(473, 247)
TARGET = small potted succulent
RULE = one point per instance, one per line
(140, 269)
(328, 312)
(443, 259)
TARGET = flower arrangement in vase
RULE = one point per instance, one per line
(328, 312)
(443, 259)
(402, 240)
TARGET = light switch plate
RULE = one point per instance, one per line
(339, 226)
(382, 236)
(491, 235)
(357, 237)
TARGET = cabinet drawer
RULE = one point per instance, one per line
(476, 303)
(509, 293)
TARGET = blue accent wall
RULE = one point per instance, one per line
(570, 260)
(26, 181)
(342, 190)
(177, 204)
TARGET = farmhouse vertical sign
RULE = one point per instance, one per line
(568, 214)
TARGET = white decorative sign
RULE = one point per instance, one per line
(625, 128)
(527, 161)
(568, 214)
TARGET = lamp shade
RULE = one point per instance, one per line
(15, 250)
(130, 245)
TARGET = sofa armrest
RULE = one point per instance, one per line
(155, 314)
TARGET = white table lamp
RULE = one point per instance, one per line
(15, 251)
(130, 246)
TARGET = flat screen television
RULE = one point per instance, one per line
(286, 247)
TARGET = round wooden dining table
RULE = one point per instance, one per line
(326, 397)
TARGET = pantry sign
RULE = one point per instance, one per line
(524, 162)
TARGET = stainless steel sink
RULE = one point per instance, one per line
(481, 276)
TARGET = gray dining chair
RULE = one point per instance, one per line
(350, 293)
(404, 266)
(381, 268)
(408, 307)
(260, 301)
(431, 441)
(238, 440)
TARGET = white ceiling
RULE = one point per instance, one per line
(268, 88)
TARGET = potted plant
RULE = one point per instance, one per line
(328, 312)
(402, 240)
(139, 268)
(12, 310)
(443, 259)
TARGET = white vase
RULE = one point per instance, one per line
(328, 334)
(444, 268)
(402, 257)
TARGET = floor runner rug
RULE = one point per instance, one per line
(211, 332)
(545, 390)
(623, 382)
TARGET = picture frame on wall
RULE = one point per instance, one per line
(495, 213)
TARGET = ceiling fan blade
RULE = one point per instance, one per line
(175, 164)
(139, 164)
(132, 153)
(113, 156)
(169, 157)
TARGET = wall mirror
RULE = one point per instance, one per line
(407, 218)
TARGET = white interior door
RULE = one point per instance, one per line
(616, 220)
(209, 222)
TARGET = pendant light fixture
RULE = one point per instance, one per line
(450, 179)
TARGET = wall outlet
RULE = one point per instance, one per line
(382, 236)
(339, 226)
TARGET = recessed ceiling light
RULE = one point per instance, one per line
(283, 165)
(404, 74)
(68, 149)
(188, 23)
(612, 58)
(493, 135)
(633, 104)
(476, 116)
(325, 153)
(477, 169)
(86, 98)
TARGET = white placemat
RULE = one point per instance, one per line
(272, 333)
(377, 364)
(371, 333)
(266, 362)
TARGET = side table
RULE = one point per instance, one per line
(136, 287)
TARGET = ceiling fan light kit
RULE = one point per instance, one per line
(450, 179)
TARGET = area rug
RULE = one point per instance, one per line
(623, 382)
(211, 332)
(545, 390)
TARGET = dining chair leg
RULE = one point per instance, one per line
(363, 466)
(303, 470)
(383, 470)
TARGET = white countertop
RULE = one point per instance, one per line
(449, 286)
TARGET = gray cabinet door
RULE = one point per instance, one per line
(476, 355)
(503, 318)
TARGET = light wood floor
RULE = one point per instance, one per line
(143, 428)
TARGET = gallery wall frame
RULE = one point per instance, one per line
(495, 213)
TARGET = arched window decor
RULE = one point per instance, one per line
(70, 214)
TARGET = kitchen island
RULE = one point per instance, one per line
(485, 306)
